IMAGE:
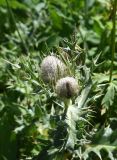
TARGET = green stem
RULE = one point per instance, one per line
(86, 12)
(12, 15)
(67, 103)
(113, 38)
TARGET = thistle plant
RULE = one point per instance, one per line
(52, 69)
(35, 124)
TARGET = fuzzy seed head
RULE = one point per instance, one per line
(67, 87)
(52, 69)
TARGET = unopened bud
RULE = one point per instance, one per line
(67, 87)
(52, 69)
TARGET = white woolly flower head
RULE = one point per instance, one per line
(67, 87)
(52, 69)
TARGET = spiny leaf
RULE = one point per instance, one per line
(100, 78)
(97, 148)
(71, 121)
(84, 96)
(109, 96)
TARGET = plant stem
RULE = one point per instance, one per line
(113, 37)
(86, 12)
(67, 103)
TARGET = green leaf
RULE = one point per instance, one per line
(13, 4)
(72, 115)
(97, 148)
(109, 96)
(81, 100)
(100, 78)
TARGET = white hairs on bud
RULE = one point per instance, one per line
(67, 87)
(52, 69)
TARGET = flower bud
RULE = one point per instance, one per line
(52, 69)
(67, 87)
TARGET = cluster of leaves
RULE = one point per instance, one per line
(33, 122)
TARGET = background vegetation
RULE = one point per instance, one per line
(31, 127)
